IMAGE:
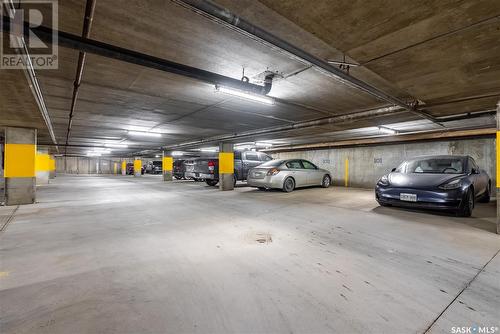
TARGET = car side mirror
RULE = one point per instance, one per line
(393, 170)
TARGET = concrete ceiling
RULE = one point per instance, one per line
(445, 54)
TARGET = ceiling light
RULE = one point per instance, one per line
(157, 156)
(245, 95)
(263, 144)
(144, 134)
(176, 153)
(387, 130)
(116, 145)
(209, 149)
(93, 154)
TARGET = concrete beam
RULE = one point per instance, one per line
(226, 166)
(20, 161)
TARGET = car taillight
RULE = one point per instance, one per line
(211, 166)
(273, 171)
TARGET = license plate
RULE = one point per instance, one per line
(408, 197)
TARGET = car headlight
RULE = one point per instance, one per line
(384, 181)
(455, 184)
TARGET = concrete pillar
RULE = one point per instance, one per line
(167, 166)
(124, 167)
(115, 168)
(498, 167)
(52, 171)
(137, 167)
(42, 166)
(226, 166)
(20, 172)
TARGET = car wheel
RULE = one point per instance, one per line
(487, 195)
(212, 183)
(288, 185)
(326, 181)
(177, 177)
(262, 188)
(467, 205)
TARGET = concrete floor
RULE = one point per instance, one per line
(135, 255)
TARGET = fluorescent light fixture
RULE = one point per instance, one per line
(144, 134)
(245, 95)
(93, 154)
(176, 153)
(263, 144)
(389, 131)
(116, 145)
(157, 156)
(209, 149)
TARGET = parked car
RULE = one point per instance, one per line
(436, 182)
(130, 169)
(154, 167)
(207, 169)
(288, 175)
(179, 169)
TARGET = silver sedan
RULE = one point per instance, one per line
(288, 175)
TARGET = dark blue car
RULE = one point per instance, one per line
(445, 182)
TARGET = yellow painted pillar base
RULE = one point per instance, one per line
(226, 166)
(19, 166)
(167, 166)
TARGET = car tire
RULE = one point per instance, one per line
(467, 205)
(235, 179)
(326, 181)
(262, 188)
(487, 195)
(288, 185)
(212, 183)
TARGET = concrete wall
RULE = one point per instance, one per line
(367, 164)
(84, 165)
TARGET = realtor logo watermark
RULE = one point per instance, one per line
(474, 329)
(22, 47)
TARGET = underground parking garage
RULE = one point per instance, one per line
(191, 166)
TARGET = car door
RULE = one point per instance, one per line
(298, 172)
(314, 176)
(250, 160)
(479, 178)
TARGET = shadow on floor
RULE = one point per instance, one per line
(483, 216)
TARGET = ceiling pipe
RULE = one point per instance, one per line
(87, 24)
(372, 113)
(295, 126)
(114, 52)
(29, 73)
(223, 16)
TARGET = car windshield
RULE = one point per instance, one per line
(271, 163)
(433, 166)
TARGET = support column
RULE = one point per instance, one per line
(167, 166)
(226, 166)
(137, 167)
(42, 166)
(52, 171)
(115, 168)
(20, 173)
(498, 167)
(124, 167)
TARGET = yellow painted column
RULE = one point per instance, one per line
(115, 168)
(20, 166)
(137, 167)
(167, 165)
(226, 166)
(346, 173)
(124, 167)
(42, 166)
